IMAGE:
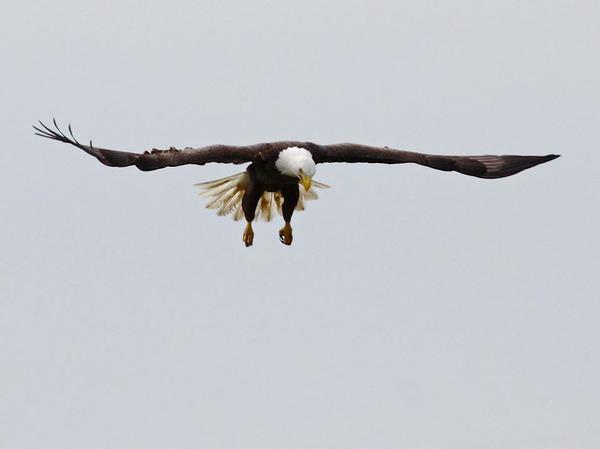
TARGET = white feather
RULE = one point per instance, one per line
(293, 160)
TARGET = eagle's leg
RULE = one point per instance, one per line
(290, 200)
(250, 200)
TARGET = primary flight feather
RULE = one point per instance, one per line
(280, 175)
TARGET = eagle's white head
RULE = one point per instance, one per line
(298, 163)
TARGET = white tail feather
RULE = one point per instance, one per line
(226, 196)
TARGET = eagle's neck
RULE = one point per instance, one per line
(295, 160)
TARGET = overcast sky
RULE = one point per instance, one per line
(415, 309)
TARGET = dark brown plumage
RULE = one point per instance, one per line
(263, 176)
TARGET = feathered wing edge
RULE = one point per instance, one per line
(112, 158)
(226, 197)
(502, 166)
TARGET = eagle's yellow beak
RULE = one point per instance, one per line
(306, 181)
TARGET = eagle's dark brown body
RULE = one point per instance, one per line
(263, 176)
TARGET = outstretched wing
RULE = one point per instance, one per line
(487, 166)
(481, 166)
(155, 159)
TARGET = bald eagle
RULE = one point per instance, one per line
(280, 175)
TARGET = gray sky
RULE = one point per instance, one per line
(416, 309)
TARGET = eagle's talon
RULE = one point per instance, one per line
(285, 235)
(248, 237)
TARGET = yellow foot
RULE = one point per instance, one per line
(248, 237)
(285, 234)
